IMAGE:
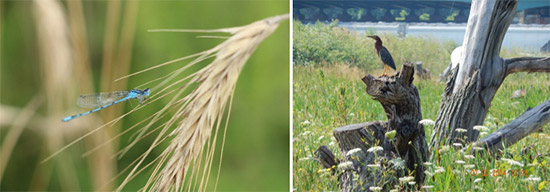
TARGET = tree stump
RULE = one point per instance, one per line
(422, 72)
(382, 159)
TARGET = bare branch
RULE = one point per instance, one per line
(530, 121)
(527, 64)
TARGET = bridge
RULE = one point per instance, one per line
(410, 11)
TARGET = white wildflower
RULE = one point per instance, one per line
(469, 166)
(461, 130)
(478, 148)
(457, 144)
(481, 128)
(427, 187)
(412, 182)
(353, 151)
(426, 122)
(309, 157)
(345, 165)
(375, 149)
(429, 174)
(478, 180)
(351, 114)
(469, 157)
(460, 162)
(483, 134)
(331, 143)
(375, 188)
(373, 165)
(394, 190)
(532, 179)
(406, 179)
(427, 163)
(439, 170)
(512, 162)
(305, 123)
(321, 138)
(444, 149)
(306, 133)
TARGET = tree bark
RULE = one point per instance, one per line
(527, 64)
(404, 153)
(473, 84)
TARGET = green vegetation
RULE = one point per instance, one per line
(327, 45)
(329, 93)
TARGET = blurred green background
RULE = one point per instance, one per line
(256, 156)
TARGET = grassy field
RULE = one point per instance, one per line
(329, 94)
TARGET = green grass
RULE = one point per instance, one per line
(329, 95)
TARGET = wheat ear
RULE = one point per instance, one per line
(202, 109)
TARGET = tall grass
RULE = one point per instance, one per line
(55, 56)
(67, 73)
(329, 96)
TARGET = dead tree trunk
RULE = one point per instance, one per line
(398, 155)
(473, 84)
(530, 121)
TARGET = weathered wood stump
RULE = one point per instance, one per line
(383, 159)
(422, 72)
(327, 159)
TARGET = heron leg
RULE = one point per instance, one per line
(385, 70)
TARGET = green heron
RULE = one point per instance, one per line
(383, 53)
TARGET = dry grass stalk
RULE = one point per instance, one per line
(14, 132)
(198, 112)
(55, 66)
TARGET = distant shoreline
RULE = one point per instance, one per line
(529, 37)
